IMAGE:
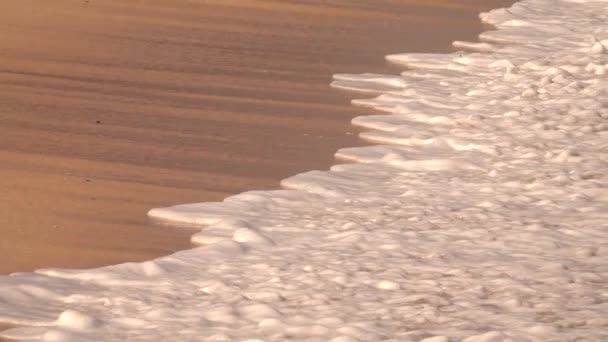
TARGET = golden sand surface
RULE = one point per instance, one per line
(110, 108)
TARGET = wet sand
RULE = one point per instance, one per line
(3, 327)
(110, 108)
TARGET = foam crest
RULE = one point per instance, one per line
(479, 215)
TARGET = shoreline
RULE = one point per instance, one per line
(111, 134)
(477, 212)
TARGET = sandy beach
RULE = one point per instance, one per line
(470, 204)
(110, 108)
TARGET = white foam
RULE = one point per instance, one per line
(481, 217)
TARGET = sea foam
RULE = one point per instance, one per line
(479, 215)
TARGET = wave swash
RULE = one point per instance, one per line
(480, 215)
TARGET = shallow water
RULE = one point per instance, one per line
(480, 215)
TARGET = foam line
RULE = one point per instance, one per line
(479, 215)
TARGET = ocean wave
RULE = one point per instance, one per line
(479, 215)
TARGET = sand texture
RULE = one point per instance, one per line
(110, 108)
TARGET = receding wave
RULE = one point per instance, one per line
(478, 214)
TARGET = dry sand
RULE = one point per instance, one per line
(110, 108)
